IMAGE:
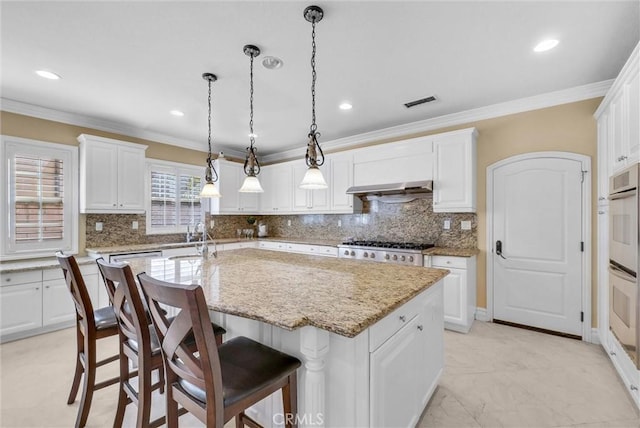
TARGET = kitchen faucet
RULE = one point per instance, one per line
(203, 249)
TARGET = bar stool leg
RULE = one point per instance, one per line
(122, 395)
(79, 369)
(144, 393)
(89, 382)
(290, 401)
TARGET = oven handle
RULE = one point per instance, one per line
(624, 194)
(621, 274)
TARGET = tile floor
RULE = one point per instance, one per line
(495, 376)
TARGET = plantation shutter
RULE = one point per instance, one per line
(175, 199)
(39, 198)
(164, 192)
(190, 208)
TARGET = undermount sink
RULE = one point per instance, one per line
(186, 257)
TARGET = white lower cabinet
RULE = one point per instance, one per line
(21, 306)
(410, 358)
(459, 290)
(320, 250)
(38, 301)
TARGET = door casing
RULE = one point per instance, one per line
(586, 229)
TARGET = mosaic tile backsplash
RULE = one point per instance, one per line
(407, 222)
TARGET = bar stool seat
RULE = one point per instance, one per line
(247, 367)
(105, 318)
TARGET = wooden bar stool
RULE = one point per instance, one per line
(91, 326)
(218, 383)
(138, 343)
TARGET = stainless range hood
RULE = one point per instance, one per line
(394, 192)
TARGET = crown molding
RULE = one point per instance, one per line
(549, 99)
(26, 109)
(536, 102)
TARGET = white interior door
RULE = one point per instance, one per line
(537, 217)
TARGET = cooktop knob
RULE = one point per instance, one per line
(403, 258)
(411, 259)
(395, 257)
(346, 252)
(366, 254)
(353, 253)
(387, 256)
(373, 255)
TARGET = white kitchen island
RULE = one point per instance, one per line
(370, 335)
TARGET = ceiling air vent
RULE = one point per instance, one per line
(418, 102)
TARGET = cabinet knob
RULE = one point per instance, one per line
(420, 327)
(435, 203)
(8, 279)
(47, 286)
(612, 353)
(600, 212)
(37, 288)
(403, 318)
(114, 205)
(623, 157)
(601, 198)
(633, 387)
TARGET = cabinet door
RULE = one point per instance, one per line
(455, 296)
(248, 203)
(431, 341)
(393, 385)
(229, 185)
(131, 178)
(341, 176)
(101, 176)
(301, 197)
(603, 159)
(632, 117)
(57, 305)
(454, 178)
(320, 197)
(282, 188)
(21, 307)
(617, 140)
(266, 199)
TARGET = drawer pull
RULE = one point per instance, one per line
(403, 318)
(420, 327)
(633, 387)
(612, 353)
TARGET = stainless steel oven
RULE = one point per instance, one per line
(624, 301)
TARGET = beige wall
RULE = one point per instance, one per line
(569, 127)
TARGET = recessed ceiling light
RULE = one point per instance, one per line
(345, 106)
(47, 74)
(546, 45)
(271, 62)
(177, 113)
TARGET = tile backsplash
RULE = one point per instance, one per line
(406, 222)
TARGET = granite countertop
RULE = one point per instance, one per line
(295, 290)
(150, 247)
(35, 264)
(453, 252)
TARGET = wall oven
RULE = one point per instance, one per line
(624, 299)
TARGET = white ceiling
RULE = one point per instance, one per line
(130, 63)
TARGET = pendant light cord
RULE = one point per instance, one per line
(251, 135)
(313, 127)
(214, 174)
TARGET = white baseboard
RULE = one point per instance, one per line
(481, 314)
(595, 336)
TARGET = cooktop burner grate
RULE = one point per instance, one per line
(387, 244)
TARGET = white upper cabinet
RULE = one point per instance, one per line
(454, 172)
(619, 114)
(309, 200)
(111, 176)
(398, 162)
(278, 188)
(231, 176)
(340, 179)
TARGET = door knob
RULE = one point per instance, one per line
(499, 249)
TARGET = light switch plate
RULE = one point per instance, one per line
(339, 223)
(99, 226)
(465, 225)
(447, 225)
(134, 225)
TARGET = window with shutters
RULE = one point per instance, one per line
(174, 201)
(41, 198)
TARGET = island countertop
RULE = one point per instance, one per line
(295, 290)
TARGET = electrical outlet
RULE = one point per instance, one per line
(465, 225)
(289, 223)
(134, 225)
(339, 223)
(447, 225)
(99, 226)
(212, 224)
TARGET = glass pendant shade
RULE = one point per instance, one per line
(251, 185)
(210, 190)
(313, 179)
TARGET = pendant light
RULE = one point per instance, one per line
(209, 190)
(251, 165)
(314, 158)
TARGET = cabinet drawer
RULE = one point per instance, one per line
(381, 331)
(448, 261)
(14, 278)
(324, 250)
